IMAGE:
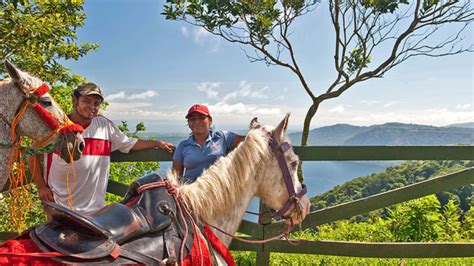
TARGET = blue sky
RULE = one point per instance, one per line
(152, 70)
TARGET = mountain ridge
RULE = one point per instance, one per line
(394, 133)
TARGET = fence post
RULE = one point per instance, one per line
(263, 257)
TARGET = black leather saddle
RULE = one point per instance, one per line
(145, 227)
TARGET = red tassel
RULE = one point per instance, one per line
(73, 128)
(41, 90)
(46, 116)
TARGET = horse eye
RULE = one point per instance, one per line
(46, 103)
(294, 164)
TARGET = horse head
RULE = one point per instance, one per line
(31, 111)
(278, 171)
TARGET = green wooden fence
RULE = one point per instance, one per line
(350, 209)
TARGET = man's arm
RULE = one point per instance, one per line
(34, 164)
(148, 144)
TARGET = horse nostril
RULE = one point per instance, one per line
(81, 146)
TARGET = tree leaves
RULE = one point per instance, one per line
(37, 34)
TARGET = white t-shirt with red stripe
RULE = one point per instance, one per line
(88, 182)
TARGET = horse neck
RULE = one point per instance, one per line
(5, 138)
(223, 192)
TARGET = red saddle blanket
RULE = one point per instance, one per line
(24, 252)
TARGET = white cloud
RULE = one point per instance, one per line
(389, 104)
(337, 109)
(122, 95)
(203, 38)
(437, 117)
(210, 89)
(366, 102)
(185, 31)
(201, 35)
(139, 110)
(143, 95)
(246, 91)
(242, 109)
(463, 106)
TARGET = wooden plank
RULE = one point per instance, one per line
(242, 246)
(336, 153)
(378, 153)
(7, 235)
(375, 250)
(117, 188)
(150, 155)
(364, 205)
(250, 228)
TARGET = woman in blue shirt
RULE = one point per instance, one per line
(204, 146)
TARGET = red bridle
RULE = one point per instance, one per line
(31, 98)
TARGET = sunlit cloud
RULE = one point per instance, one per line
(210, 89)
(389, 104)
(139, 110)
(337, 109)
(184, 31)
(366, 102)
(205, 38)
(439, 117)
(246, 91)
(136, 96)
(463, 106)
(241, 108)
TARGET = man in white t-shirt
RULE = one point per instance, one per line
(83, 188)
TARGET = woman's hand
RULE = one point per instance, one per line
(165, 146)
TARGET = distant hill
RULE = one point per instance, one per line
(388, 134)
(464, 125)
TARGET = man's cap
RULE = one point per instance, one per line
(88, 89)
(198, 108)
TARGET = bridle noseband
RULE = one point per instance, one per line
(279, 150)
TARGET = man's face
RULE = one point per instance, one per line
(87, 106)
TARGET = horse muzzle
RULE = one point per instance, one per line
(71, 147)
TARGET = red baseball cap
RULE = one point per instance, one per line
(198, 108)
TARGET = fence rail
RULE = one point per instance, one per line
(350, 209)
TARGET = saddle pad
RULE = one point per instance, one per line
(73, 242)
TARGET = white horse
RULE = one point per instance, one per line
(23, 90)
(221, 195)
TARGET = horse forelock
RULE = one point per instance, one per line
(224, 183)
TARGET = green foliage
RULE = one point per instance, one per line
(450, 223)
(417, 220)
(383, 6)
(357, 60)
(37, 34)
(260, 16)
(35, 216)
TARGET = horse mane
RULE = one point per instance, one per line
(222, 184)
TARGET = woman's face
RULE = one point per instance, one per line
(199, 123)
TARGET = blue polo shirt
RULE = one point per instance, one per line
(195, 159)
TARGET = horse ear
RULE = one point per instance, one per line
(13, 71)
(280, 130)
(254, 123)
